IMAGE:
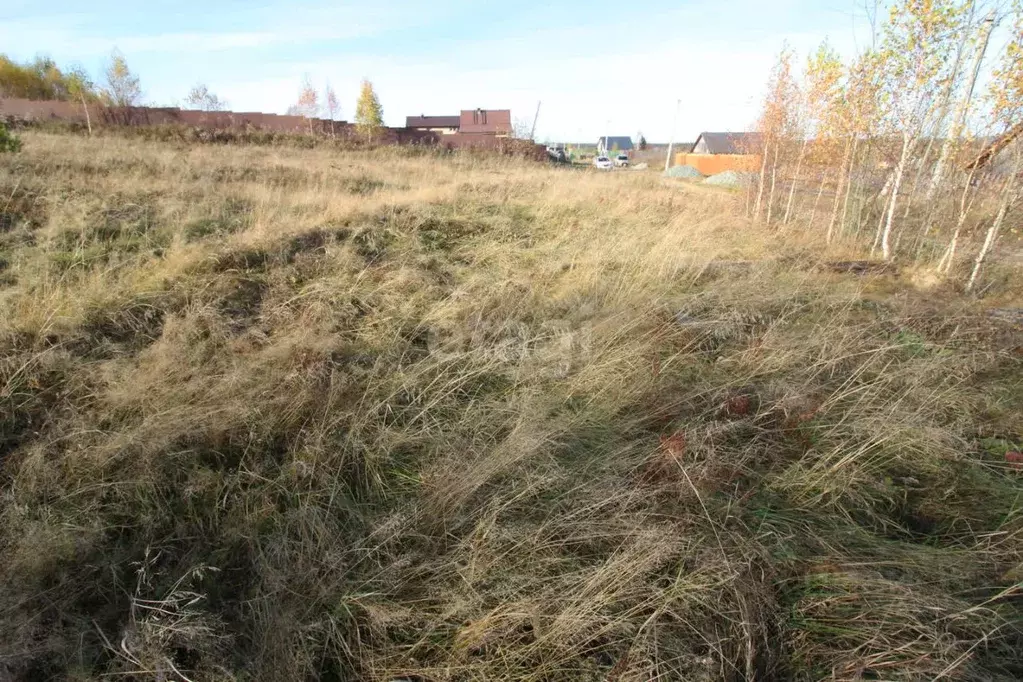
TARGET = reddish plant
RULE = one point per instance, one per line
(664, 464)
(738, 406)
(674, 445)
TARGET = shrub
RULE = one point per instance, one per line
(8, 142)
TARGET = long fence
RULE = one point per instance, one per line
(20, 111)
(712, 164)
(34, 111)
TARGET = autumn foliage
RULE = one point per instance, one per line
(873, 151)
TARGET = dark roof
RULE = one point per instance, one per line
(485, 121)
(425, 121)
(623, 142)
(730, 143)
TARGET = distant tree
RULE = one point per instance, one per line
(39, 79)
(642, 142)
(122, 87)
(332, 105)
(81, 88)
(200, 97)
(55, 81)
(308, 104)
(17, 80)
(369, 115)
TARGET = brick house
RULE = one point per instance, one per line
(486, 122)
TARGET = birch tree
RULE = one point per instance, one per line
(1006, 96)
(308, 104)
(369, 115)
(914, 53)
(821, 88)
(332, 105)
(963, 107)
(776, 122)
(853, 117)
(122, 87)
(81, 88)
(200, 97)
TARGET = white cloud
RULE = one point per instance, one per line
(83, 35)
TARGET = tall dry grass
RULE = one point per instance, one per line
(289, 414)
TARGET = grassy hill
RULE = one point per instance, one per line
(281, 414)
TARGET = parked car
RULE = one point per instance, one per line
(622, 160)
(603, 163)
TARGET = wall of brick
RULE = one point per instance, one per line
(31, 110)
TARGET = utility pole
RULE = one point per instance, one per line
(532, 132)
(671, 142)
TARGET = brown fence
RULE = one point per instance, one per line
(712, 164)
(32, 111)
(19, 110)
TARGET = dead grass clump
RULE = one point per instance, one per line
(852, 624)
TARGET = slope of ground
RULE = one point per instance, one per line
(281, 414)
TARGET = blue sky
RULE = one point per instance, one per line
(597, 66)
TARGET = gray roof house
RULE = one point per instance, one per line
(727, 143)
(622, 144)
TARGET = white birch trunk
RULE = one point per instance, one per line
(763, 179)
(88, 120)
(886, 249)
(1009, 197)
(848, 186)
(838, 192)
(792, 189)
(774, 177)
(820, 191)
(945, 264)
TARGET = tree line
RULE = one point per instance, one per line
(42, 79)
(898, 149)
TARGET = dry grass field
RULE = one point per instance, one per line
(282, 414)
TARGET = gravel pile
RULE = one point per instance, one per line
(727, 179)
(682, 172)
